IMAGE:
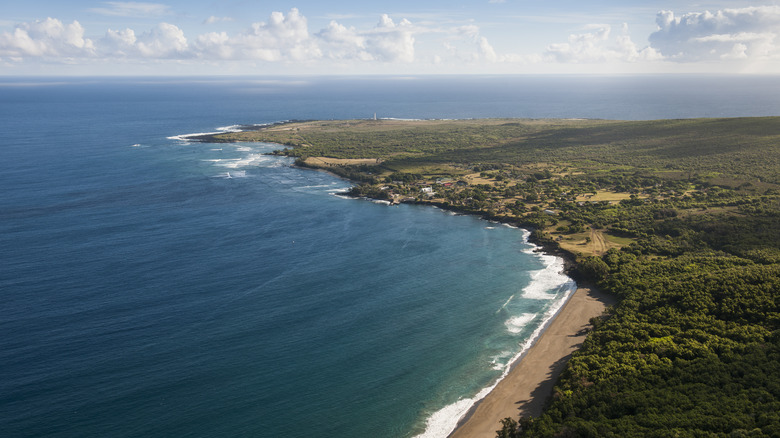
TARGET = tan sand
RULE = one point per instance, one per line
(525, 390)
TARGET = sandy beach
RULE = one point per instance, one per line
(528, 386)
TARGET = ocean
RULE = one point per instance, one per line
(153, 286)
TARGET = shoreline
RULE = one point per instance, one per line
(527, 387)
(528, 384)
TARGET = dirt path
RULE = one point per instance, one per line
(598, 243)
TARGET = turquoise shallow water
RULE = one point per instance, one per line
(157, 287)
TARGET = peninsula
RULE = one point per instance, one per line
(676, 220)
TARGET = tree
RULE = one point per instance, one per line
(594, 268)
(509, 429)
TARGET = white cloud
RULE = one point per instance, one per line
(46, 38)
(481, 49)
(215, 45)
(343, 42)
(743, 33)
(281, 38)
(164, 41)
(133, 9)
(391, 42)
(387, 41)
(598, 45)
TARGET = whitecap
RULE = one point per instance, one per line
(186, 137)
(546, 282)
(231, 128)
(516, 324)
(443, 422)
(249, 160)
(498, 361)
(320, 186)
(233, 174)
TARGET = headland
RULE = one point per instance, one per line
(675, 219)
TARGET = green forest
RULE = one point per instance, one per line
(679, 219)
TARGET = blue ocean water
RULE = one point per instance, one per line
(153, 286)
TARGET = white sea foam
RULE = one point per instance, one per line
(516, 324)
(498, 362)
(545, 282)
(186, 137)
(249, 160)
(444, 421)
(232, 174)
(220, 130)
(319, 186)
(231, 128)
(243, 149)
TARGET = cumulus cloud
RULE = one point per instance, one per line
(597, 45)
(478, 47)
(387, 41)
(46, 38)
(740, 33)
(282, 37)
(343, 42)
(391, 42)
(132, 9)
(165, 41)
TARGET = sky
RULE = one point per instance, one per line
(403, 37)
